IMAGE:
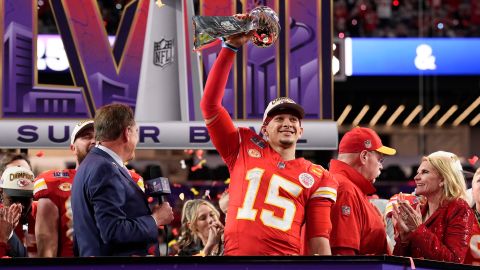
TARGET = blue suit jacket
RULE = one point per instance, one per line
(110, 212)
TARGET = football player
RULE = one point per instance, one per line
(272, 193)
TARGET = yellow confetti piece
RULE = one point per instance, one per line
(181, 196)
(171, 243)
(194, 191)
(227, 181)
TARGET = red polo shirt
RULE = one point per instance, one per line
(357, 224)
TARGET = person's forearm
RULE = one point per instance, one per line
(46, 228)
(46, 245)
(211, 102)
(320, 246)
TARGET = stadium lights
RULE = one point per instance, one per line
(344, 114)
(412, 115)
(447, 115)
(377, 116)
(429, 115)
(395, 115)
(466, 112)
(360, 115)
(475, 120)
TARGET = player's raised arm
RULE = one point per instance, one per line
(222, 131)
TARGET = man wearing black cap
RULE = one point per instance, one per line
(272, 193)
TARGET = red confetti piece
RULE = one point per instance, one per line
(175, 185)
(150, 200)
(40, 154)
(175, 231)
(473, 160)
(199, 165)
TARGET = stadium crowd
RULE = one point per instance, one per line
(406, 18)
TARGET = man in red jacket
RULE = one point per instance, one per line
(357, 225)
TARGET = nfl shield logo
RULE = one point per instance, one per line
(163, 52)
(368, 144)
(346, 210)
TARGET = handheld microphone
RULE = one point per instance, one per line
(157, 187)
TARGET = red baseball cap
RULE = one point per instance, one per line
(360, 138)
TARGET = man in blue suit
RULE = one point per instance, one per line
(111, 213)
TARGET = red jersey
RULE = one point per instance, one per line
(56, 185)
(269, 198)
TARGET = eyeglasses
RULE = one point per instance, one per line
(379, 156)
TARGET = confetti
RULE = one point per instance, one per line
(175, 231)
(150, 199)
(199, 153)
(159, 3)
(188, 151)
(199, 165)
(181, 196)
(182, 164)
(473, 160)
(207, 194)
(40, 154)
(227, 181)
(171, 243)
(175, 185)
(194, 191)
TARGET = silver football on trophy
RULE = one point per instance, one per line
(261, 19)
(265, 23)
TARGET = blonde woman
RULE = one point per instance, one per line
(440, 229)
(201, 231)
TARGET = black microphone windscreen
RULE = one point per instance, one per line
(155, 171)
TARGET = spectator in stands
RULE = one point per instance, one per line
(442, 228)
(357, 225)
(201, 231)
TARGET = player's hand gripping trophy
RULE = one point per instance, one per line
(262, 20)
